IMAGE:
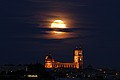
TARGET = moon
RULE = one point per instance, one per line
(58, 24)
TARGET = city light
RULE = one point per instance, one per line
(32, 76)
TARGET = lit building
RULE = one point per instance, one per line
(77, 63)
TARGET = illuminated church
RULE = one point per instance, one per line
(77, 63)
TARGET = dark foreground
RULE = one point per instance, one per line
(38, 72)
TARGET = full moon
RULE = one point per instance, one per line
(58, 24)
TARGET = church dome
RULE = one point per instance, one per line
(49, 58)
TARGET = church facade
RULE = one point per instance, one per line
(77, 63)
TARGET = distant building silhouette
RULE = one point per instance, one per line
(77, 63)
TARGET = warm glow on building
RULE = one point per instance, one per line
(77, 63)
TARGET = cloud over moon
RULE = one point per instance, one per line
(56, 35)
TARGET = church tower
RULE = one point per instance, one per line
(78, 58)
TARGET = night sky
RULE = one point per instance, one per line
(92, 24)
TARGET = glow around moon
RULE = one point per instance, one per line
(58, 31)
(58, 24)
